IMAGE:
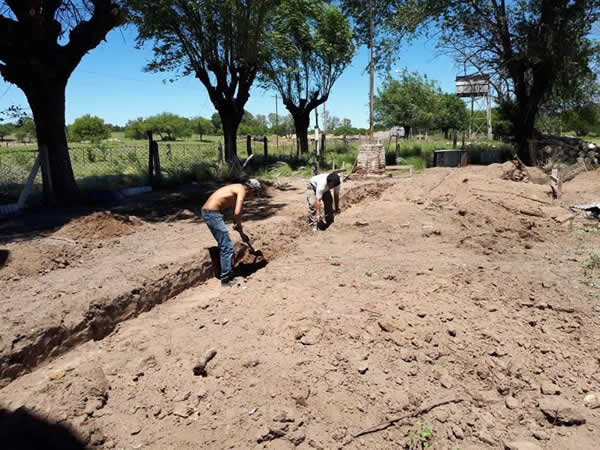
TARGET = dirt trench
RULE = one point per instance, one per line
(104, 313)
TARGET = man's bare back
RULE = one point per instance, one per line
(225, 197)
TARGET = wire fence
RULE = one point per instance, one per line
(113, 165)
(103, 167)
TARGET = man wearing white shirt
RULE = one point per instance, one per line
(320, 202)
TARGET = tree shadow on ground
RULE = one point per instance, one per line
(24, 430)
(183, 204)
(3, 257)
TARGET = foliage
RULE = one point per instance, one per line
(450, 113)
(25, 129)
(202, 126)
(309, 45)
(89, 128)
(222, 43)
(41, 44)
(420, 438)
(534, 50)
(409, 101)
(136, 129)
(169, 126)
(251, 126)
(387, 35)
(217, 123)
(5, 130)
(583, 120)
(281, 125)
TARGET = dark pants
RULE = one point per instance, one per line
(216, 225)
(311, 199)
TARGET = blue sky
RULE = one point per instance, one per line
(111, 84)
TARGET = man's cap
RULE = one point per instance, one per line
(255, 185)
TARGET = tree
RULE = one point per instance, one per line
(41, 44)
(250, 126)
(202, 126)
(375, 28)
(450, 113)
(89, 128)
(25, 128)
(220, 42)
(344, 129)
(529, 47)
(169, 126)
(583, 120)
(333, 123)
(6, 129)
(217, 123)
(408, 102)
(310, 45)
(281, 125)
(136, 129)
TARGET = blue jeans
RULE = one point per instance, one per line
(216, 225)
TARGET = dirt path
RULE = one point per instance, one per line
(452, 285)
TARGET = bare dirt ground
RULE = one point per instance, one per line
(460, 306)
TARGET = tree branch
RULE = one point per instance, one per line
(88, 35)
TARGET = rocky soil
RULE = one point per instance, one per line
(454, 309)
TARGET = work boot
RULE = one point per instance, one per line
(229, 282)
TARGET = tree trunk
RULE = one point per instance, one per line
(524, 128)
(301, 124)
(231, 123)
(446, 133)
(47, 102)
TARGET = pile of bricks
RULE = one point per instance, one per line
(371, 160)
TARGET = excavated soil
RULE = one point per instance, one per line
(450, 310)
(99, 225)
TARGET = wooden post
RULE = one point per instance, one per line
(150, 159)
(266, 148)
(27, 189)
(323, 146)
(157, 171)
(46, 176)
(220, 155)
(249, 145)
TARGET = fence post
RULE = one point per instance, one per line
(323, 146)
(266, 151)
(249, 145)
(157, 171)
(150, 159)
(46, 175)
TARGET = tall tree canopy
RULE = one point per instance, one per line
(41, 44)
(534, 49)
(89, 128)
(309, 46)
(408, 102)
(219, 42)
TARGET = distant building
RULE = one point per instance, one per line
(397, 131)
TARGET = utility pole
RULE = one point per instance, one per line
(372, 73)
(276, 123)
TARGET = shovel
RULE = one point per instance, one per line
(253, 251)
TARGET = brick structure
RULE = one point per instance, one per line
(371, 160)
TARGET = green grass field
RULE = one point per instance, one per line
(120, 162)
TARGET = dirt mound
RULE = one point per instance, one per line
(99, 225)
(362, 192)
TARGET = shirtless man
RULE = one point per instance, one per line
(231, 196)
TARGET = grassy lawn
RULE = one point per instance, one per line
(120, 162)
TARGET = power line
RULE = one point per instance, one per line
(5, 92)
